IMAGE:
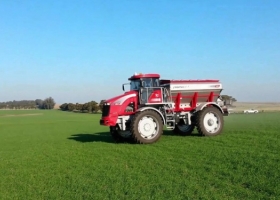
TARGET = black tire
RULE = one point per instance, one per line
(153, 122)
(114, 130)
(210, 118)
(115, 135)
(183, 129)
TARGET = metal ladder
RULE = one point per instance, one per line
(169, 113)
(170, 117)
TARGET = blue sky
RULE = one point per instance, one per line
(78, 51)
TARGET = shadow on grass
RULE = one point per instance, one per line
(96, 137)
(106, 136)
(171, 133)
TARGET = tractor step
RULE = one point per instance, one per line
(170, 127)
(170, 118)
(170, 121)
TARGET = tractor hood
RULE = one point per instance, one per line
(118, 100)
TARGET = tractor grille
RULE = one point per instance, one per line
(105, 110)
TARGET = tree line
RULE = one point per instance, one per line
(94, 107)
(89, 107)
(47, 103)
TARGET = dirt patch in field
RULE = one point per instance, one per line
(22, 115)
(56, 106)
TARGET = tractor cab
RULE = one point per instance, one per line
(138, 81)
(148, 87)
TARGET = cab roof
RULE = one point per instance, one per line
(140, 75)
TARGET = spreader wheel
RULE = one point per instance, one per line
(210, 121)
(146, 127)
(117, 136)
(184, 129)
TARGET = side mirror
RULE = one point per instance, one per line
(124, 84)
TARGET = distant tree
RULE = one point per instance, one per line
(48, 103)
(63, 106)
(39, 103)
(101, 104)
(2, 105)
(90, 107)
(22, 104)
(228, 100)
(93, 106)
(85, 107)
(79, 106)
(71, 107)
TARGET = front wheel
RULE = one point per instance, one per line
(210, 121)
(146, 127)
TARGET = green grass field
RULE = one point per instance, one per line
(62, 155)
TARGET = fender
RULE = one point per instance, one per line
(201, 106)
(152, 108)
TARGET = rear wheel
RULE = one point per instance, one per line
(210, 121)
(146, 127)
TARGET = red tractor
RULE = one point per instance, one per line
(151, 104)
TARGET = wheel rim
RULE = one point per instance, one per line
(148, 127)
(211, 122)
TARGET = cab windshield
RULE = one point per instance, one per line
(150, 82)
(144, 82)
(135, 84)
